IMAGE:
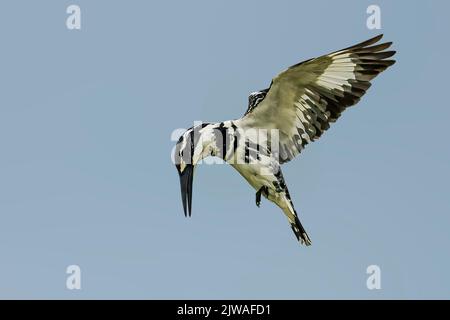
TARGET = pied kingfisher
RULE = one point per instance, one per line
(295, 110)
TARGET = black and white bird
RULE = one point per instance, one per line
(280, 121)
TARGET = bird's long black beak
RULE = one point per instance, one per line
(186, 178)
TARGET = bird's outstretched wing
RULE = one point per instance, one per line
(303, 100)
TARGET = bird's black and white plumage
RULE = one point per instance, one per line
(280, 121)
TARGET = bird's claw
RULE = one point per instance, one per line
(258, 198)
(258, 194)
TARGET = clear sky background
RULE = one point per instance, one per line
(86, 178)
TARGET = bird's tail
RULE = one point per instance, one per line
(300, 232)
(285, 203)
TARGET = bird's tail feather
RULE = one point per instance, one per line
(300, 232)
(288, 208)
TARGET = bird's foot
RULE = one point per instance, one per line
(258, 198)
(258, 194)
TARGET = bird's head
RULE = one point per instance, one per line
(189, 150)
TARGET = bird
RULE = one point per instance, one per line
(295, 110)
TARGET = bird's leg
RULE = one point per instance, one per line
(259, 192)
(258, 197)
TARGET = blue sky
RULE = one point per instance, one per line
(85, 173)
